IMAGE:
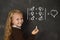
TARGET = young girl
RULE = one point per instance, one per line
(13, 26)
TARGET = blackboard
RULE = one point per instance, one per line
(50, 25)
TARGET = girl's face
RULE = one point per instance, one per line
(17, 19)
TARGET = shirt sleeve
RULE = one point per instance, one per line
(31, 37)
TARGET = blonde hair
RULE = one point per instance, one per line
(8, 28)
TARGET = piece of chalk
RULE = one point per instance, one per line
(36, 27)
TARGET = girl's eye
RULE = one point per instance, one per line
(17, 19)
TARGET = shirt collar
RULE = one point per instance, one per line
(16, 26)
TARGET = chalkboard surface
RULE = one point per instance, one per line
(45, 14)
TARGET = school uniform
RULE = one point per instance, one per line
(17, 34)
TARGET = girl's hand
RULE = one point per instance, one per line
(35, 31)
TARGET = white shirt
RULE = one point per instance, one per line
(16, 26)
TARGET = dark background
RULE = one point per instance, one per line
(50, 26)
